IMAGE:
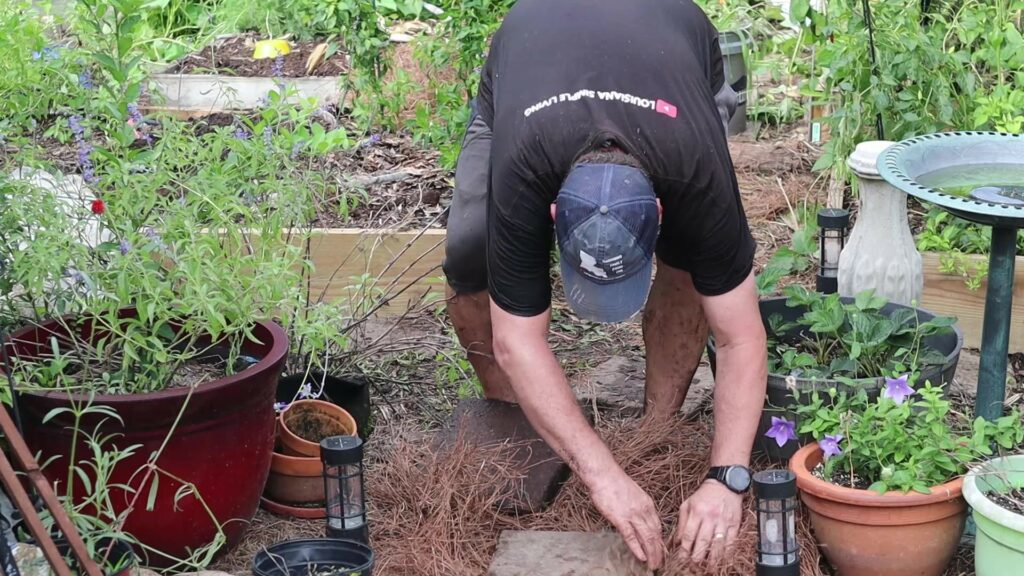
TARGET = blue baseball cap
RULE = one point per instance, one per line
(606, 222)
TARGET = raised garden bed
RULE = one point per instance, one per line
(948, 294)
(224, 77)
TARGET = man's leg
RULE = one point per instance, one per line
(675, 332)
(465, 263)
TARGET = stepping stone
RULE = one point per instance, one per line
(491, 422)
(529, 553)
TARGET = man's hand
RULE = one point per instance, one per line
(708, 520)
(632, 512)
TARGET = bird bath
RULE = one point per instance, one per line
(978, 176)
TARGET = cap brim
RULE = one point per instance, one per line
(608, 303)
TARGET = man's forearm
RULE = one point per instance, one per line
(739, 398)
(549, 403)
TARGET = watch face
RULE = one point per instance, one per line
(738, 478)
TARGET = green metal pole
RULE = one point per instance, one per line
(995, 334)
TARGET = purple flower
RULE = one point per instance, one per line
(373, 139)
(84, 149)
(152, 235)
(241, 134)
(296, 148)
(279, 406)
(830, 445)
(782, 431)
(75, 123)
(124, 246)
(268, 137)
(277, 68)
(85, 79)
(135, 120)
(134, 115)
(897, 389)
(47, 54)
(306, 391)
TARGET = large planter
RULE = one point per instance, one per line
(862, 532)
(222, 443)
(780, 400)
(999, 543)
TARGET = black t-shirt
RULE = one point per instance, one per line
(565, 75)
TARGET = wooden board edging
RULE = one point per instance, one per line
(947, 293)
(405, 265)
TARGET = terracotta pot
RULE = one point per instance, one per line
(863, 533)
(222, 443)
(293, 511)
(317, 410)
(295, 480)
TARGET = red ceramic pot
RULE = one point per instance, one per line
(222, 444)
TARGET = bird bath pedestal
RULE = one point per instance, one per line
(977, 176)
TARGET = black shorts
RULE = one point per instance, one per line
(465, 258)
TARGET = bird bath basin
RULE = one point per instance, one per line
(978, 176)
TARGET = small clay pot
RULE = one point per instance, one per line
(891, 534)
(295, 480)
(323, 414)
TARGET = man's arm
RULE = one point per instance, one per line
(522, 351)
(710, 518)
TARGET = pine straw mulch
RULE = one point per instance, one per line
(433, 515)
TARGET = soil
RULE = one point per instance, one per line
(393, 182)
(841, 478)
(312, 426)
(193, 372)
(233, 57)
(1012, 501)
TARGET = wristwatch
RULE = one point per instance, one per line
(735, 478)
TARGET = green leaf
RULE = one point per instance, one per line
(151, 498)
(880, 487)
(799, 9)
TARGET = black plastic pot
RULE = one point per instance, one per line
(314, 557)
(780, 400)
(350, 393)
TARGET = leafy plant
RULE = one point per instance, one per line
(976, 44)
(894, 443)
(854, 340)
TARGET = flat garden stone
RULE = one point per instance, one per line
(529, 553)
(616, 388)
(492, 422)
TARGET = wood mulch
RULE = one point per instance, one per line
(233, 57)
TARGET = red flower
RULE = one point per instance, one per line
(98, 207)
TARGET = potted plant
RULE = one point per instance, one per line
(995, 491)
(138, 328)
(819, 342)
(882, 482)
